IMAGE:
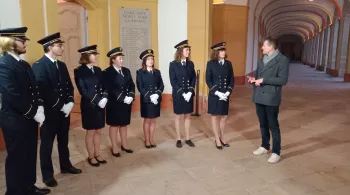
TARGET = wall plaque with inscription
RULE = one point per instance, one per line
(135, 36)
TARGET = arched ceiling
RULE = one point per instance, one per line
(305, 18)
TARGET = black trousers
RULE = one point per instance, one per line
(268, 118)
(55, 124)
(20, 166)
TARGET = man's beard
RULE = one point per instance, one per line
(18, 52)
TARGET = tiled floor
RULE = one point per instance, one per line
(315, 125)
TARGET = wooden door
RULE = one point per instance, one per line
(72, 24)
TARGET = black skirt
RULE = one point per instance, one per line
(149, 110)
(216, 106)
(181, 106)
(118, 113)
(92, 116)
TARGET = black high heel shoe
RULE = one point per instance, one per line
(218, 147)
(148, 146)
(153, 145)
(93, 164)
(100, 161)
(126, 150)
(115, 154)
(226, 145)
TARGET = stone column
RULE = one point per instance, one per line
(308, 52)
(332, 46)
(347, 71)
(323, 57)
(327, 47)
(312, 52)
(317, 49)
(320, 50)
(335, 72)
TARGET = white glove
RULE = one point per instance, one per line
(221, 95)
(189, 95)
(154, 101)
(227, 94)
(41, 109)
(67, 108)
(185, 96)
(155, 96)
(102, 103)
(125, 99)
(39, 117)
(128, 100)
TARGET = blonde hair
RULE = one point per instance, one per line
(6, 44)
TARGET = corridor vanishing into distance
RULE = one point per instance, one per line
(315, 126)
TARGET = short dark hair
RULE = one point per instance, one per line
(271, 41)
(46, 48)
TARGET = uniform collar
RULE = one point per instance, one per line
(51, 59)
(14, 56)
(117, 69)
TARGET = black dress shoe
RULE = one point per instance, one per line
(115, 154)
(37, 191)
(153, 145)
(218, 147)
(179, 144)
(100, 161)
(97, 164)
(148, 146)
(126, 150)
(51, 182)
(226, 145)
(189, 143)
(71, 170)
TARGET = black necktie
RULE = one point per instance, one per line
(151, 71)
(92, 69)
(58, 71)
(120, 72)
(183, 63)
(221, 63)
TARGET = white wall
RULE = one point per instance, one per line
(10, 14)
(172, 29)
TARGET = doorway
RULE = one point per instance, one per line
(72, 18)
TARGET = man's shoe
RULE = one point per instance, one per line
(71, 170)
(274, 158)
(37, 191)
(260, 151)
(51, 182)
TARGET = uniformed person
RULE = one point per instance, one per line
(88, 79)
(121, 93)
(220, 80)
(58, 94)
(150, 84)
(183, 80)
(21, 111)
